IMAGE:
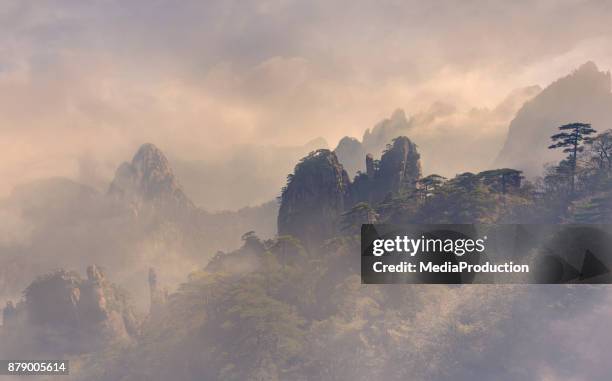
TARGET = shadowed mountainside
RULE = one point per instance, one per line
(293, 307)
(583, 95)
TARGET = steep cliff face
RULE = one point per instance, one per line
(398, 170)
(583, 96)
(149, 181)
(351, 151)
(320, 192)
(400, 166)
(314, 198)
(61, 313)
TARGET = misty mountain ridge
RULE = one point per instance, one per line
(376, 140)
(144, 219)
(293, 307)
(582, 96)
(444, 134)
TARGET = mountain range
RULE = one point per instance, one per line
(145, 218)
(581, 96)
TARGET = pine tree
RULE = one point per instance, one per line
(571, 139)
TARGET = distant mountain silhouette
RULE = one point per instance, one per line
(149, 179)
(375, 141)
(351, 151)
(582, 96)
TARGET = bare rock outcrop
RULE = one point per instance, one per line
(397, 171)
(61, 313)
(313, 201)
(319, 191)
(148, 181)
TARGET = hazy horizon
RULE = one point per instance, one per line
(83, 85)
(164, 213)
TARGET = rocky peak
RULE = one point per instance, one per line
(148, 179)
(313, 200)
(375, 140)
(588, 74)
(400, 165)
(319, 191)
(350, 153)
(582, 96)
(398, 170)
(70, 314)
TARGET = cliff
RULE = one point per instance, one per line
(398, 170)
(61, 313)
(314, 198)
(319, 191)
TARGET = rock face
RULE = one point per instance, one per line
(400, 166)
(583, 96)
(320, 192)
(351, 151)
(62, 313)
(314, 198)
(398, 170)
(149, 181)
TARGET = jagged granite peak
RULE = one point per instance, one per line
(350, 153)
(400, 165)
(398, 170)
(582, 96)
(149, 179)
(314, 199)
(375, 140)
(319, 191)
(69, 314)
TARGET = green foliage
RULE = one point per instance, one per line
(571, 141)
(572, 144)
(596, 209)
(304, 314)
(490, 196)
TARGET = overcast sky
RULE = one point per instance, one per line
(82, 84)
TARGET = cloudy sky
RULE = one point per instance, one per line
(82, 84)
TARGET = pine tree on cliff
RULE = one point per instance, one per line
(571, 139)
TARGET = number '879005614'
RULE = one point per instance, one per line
(34, 367)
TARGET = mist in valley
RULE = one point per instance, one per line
(183, 185)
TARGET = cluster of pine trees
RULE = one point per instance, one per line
(576, 189)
